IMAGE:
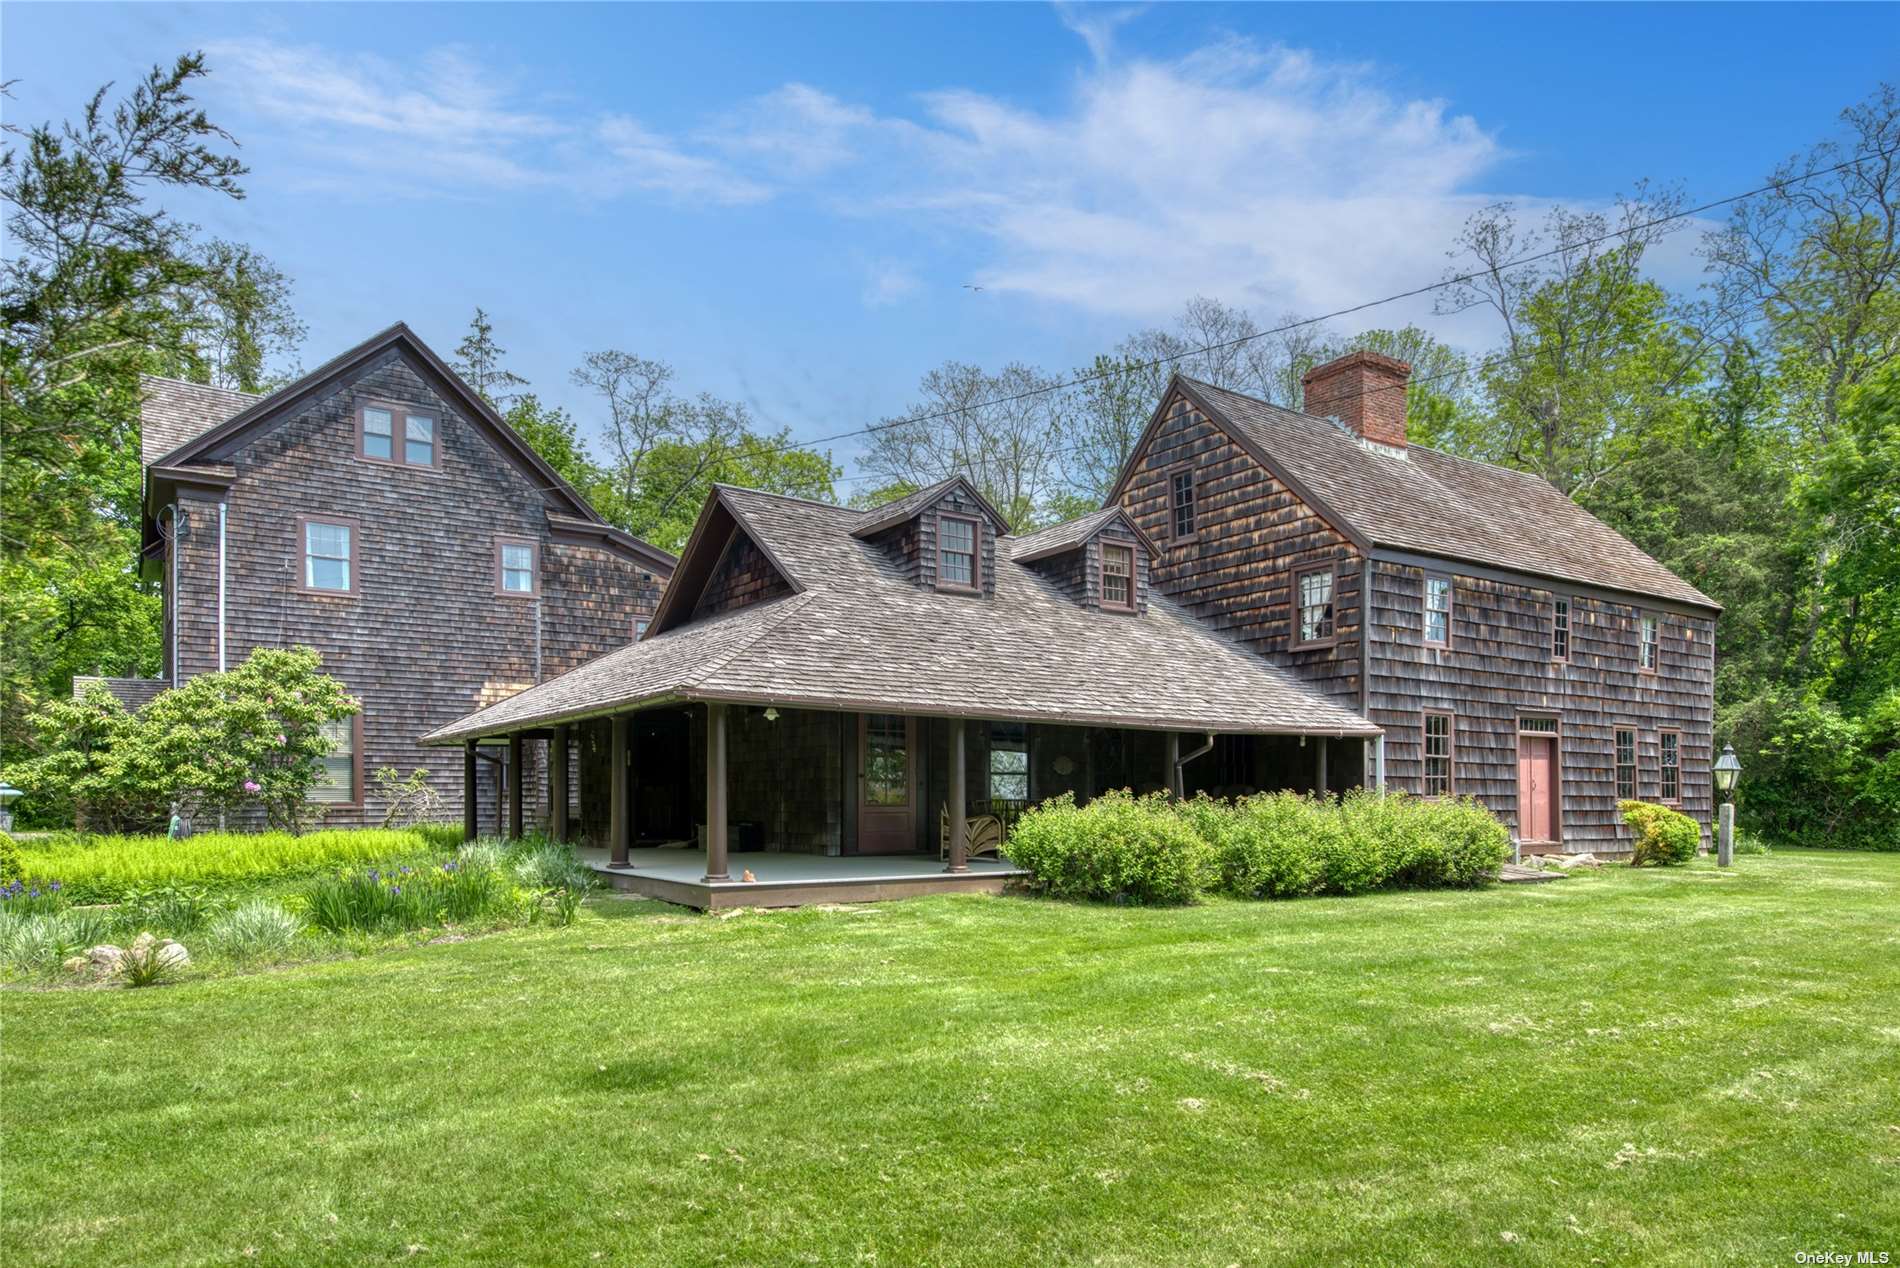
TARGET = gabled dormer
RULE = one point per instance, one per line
(725, 566)
(1101, 560)
(942, 537)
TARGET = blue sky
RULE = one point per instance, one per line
(785, 202)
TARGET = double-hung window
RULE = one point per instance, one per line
(1009, 764)
(1313, 596)
(1670, 765)
(1625, 764)
(1652, 639)
(329, 555)
(1181, 502)
(956, 553)
(1437, 611)
(336, 781)
(1560, 631)
(515, 570)
(1118, 577)
(1438, 754)
(402, 434)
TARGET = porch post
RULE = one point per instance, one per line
(470, 830)
(716, 793)
(514, 787)
(959, 803)
(1319, 767)
(557, 784)
(619, 822)
(1174, 764)
(1378, 761)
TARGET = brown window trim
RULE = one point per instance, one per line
(1451, 752)
(531, 544)
(1661, 795)
(356, 555)
(1127, 553)
(398, 434)
(1569, 608)
(356, 767)
(1641, 617)
(1294, 640)
(1451, 609)
(1167, 500)
(975, 585)
(1635, 763)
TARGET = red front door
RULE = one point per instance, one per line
(887, 784)
(1536, 788)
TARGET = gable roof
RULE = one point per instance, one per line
(201, 444)
(173, 412)
(1072, 534)
(1431, 503)
(857, 634)
(892, 513)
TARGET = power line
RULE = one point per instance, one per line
(1221, 345)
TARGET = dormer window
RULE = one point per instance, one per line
(1118, 578)
(956, 553)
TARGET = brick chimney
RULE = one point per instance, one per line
(1363, 390)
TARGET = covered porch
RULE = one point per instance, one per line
(726, 803)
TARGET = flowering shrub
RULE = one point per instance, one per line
(1664, 837)
(34, 898)
(249, 736)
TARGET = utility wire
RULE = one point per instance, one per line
(1458, 279)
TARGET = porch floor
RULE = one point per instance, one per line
(784, 879)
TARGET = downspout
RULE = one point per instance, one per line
(1180, 763)
(221, 510)
(171, 581)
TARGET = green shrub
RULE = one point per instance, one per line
(38, 943)
(1749, 843)
(1269, 845)
(175, 909)
(9, 860)
(108, 869)
(1664, 837)
(1117, 848)
(1277, 845)
(256, 930)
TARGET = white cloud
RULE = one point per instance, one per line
(887, 282)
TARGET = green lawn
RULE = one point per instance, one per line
(1633, 1066)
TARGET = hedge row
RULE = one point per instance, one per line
(1120, 848)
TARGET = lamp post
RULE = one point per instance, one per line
(7, 793)
(1728, 771)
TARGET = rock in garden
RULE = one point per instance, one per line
(105, 956)
(77, 964)
(173, 954)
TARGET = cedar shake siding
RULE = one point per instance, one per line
(911, 543)
(1252, 535)
(425, 633)
(743, 576)
(1499, 667)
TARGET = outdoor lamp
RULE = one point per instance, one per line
(7, 793)
(1727, 770)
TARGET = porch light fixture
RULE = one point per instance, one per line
(1727, 770)
(771, 714)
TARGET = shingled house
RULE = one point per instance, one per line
(1269, 599)
(379, 511)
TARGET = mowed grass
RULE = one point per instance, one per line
(1681, 1067)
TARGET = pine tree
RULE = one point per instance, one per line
(478, 361)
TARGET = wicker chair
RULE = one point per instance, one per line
(984, 833)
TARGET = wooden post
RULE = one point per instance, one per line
(557, 784)
(469, 827)
(514, 787)
(1319, 767)
(1174, 765)
(716, 793)
(1725, 836)
(619, 822)
(1378, 763)
(959, 802)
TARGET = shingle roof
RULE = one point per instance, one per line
(174, 412)
(1068, 535)
(879, 518)
(859, 635)
(133, 693)
(1436, 504)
